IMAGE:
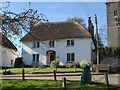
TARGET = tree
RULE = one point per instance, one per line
(15, 25)
(103, 35)
(77, 19)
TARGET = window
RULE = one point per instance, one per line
(115, 12)
(36, 44)
(11, 62)
(35, 57)
(51, 44)
(70, 57)
(70, 42)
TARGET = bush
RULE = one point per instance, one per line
(35, 66)
(18, 63)
(69, 65)
(85, 63)
(27, 66)
(72, 64)
(76, 64)
(42, 67)
(54, 64)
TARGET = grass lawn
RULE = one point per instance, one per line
(50, 85)
(44, 69)
(18, 70)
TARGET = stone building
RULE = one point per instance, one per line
(113, 22)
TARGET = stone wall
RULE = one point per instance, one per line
(113, 23)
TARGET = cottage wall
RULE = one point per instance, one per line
(8, 57)
(81, 48)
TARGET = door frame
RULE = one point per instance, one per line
(48, 56)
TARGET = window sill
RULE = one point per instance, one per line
(69, 61)
(70, 45)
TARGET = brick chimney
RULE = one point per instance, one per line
(90, 27)
(31, 25)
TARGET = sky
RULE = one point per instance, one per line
(60, 11)
(59, 0)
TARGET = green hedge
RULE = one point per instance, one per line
(18, 63)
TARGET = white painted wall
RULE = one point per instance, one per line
(7, 55)
(81, 48)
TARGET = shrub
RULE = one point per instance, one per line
(18, 63)
(86, 63)
(27, 66)
(42, 67)
(72, 64)
(69, 65)
(35, 66)
(54, 64)
(76, 64)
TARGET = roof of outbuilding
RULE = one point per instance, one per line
(4, 41)
(57, 30)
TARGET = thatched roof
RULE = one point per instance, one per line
(4, 41)
(57, 30)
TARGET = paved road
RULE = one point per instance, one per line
(114, 79)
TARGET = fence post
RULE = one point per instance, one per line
(75, 68)
(64, 83)
(5, 70)
(54, 75)
(107, 81)
(23, 73)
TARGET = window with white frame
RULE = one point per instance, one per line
(51, 44)
(35, 57)
(70, 57)
(70, 42)
(36, 44)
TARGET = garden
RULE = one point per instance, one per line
(24, 84)
(67, 68)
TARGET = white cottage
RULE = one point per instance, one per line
(7, 52)
(62, 41)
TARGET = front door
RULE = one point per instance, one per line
(52, 57)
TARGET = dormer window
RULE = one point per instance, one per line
(51, 44)
(36, 44)
(70, 42)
